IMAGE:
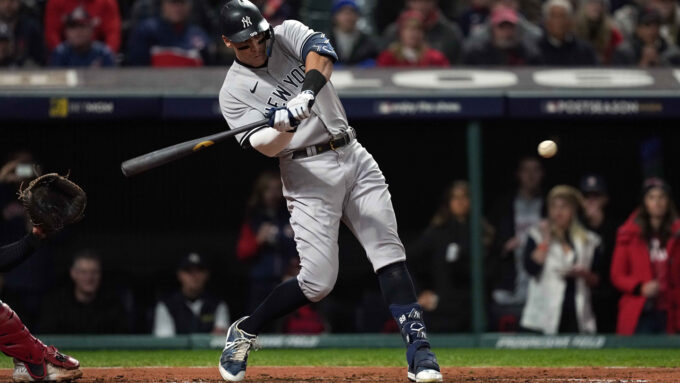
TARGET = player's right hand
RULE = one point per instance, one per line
(280, 120)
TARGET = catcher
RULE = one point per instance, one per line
(52, 202)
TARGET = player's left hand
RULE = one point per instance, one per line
(280, 120)
(300, 106)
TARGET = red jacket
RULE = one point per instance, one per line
(430, 58)
(631, 266)
(104, 14)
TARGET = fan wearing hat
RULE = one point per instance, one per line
(596, 218)
(560, 255)
(104, 14)
(504, 45)
(646, 264)
(80, 49)
(353, 46)
(191, 309)
(411, 50)
(647, 48)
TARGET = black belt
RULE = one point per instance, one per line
(337, 142)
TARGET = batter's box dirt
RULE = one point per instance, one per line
(378, 374)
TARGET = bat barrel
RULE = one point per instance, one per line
(160, 157)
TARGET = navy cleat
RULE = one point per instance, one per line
(424, 367)
(234, 357)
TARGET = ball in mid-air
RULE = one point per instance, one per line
(547, 149)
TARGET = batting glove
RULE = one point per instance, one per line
(280, 120)
(300, 106)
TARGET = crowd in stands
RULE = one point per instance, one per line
(421, 33)
(555, 262)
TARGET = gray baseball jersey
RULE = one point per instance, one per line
(248, 93)
(344, 184)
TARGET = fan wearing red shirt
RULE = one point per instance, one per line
(105, 19)
(411, 50)
(646, 265)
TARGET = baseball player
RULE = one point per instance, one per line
(51, 202)
(327, 176)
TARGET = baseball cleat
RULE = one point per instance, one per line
(234, 357)
(425, 367)
(53, 373)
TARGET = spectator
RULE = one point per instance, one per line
(440, 33)
(191, 309)
(626, 17)
(440, 261)
(411, 50)
(560, 255)
(647, 48)
(559, 45)
(266, 241)
(594, 25)
(6, 47)
(527, 29)
(22, 35)
(170, 40)
(80, 49)
(105, 19)
(670, 19)
(202, 13)
(504, 45)
(353, 46)
(84, 308)
(596, 218)
(646, 264)
(513, 218)
(474, 17)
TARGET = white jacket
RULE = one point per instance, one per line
(543, 308)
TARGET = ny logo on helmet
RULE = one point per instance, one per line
(246, 21)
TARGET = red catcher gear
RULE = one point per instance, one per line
(17, 342)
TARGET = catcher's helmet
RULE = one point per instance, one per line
(241, 20)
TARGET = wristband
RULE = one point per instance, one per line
(314, 81)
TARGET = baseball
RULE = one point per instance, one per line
(547, 149)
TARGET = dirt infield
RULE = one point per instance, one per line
(378, 374)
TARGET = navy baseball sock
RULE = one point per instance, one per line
(286, 298)
(396, 284)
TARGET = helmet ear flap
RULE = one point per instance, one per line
(271, 37)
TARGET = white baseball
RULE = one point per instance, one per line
(547, 149)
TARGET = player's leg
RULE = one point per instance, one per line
(369, 214)
(32, 359)
(315, 208)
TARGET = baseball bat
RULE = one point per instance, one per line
(160, 157)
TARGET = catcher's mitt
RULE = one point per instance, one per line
(53, 201)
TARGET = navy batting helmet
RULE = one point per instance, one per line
(241, 20)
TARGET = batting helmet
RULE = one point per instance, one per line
(241, 20)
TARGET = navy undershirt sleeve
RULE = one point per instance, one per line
(13, 254)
